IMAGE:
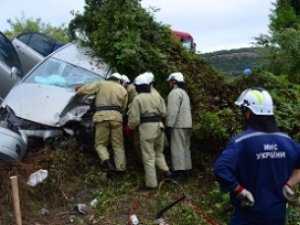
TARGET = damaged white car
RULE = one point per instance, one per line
(44, 104)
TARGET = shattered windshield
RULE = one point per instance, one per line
(55, 72)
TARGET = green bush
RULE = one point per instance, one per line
(215, 127)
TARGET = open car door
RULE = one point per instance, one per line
(10, 66)
(32, 48)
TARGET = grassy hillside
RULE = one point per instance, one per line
(234, 61)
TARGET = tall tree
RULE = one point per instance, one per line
(282, 47)
(285, 15)
(296, 6)
(126, 36)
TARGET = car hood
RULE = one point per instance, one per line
(42, 104)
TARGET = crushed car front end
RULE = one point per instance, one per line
(44, 104)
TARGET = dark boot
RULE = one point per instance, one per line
(115, 174)
(188, 173)
(168, 174)
(108, 166)
(180, 175)
(119, 173)
(145, 189)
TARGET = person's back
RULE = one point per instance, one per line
(179, 123)
(151, 103)
(110, 104)
(257, 164)
(179, 109)
(146, 113)
(110, 94)
(152, 110)
(264, 162)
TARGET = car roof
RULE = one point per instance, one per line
(83, 57)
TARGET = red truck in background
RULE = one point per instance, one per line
(186, 40)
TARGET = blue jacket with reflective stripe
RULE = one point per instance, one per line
(262, 163)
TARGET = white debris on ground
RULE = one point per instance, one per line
(37, 177)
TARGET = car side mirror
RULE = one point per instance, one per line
(14, 73)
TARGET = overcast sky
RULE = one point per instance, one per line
(215, 24)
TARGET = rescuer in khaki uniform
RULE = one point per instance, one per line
(129, 87)
(111, 102)
(150, 79)
(147, 112)
(179, 123)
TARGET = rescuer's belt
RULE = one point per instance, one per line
(150, 119)
(109, 108)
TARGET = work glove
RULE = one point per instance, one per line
(77, 88)
(289, 193)
(245, 196)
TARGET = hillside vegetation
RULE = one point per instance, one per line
(235, 61)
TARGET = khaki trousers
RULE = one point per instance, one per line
(111, 132)
(180, 149)
(152, 147)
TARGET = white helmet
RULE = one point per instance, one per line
(149, 76)
(116, 75)
(176, 76)
(259, 101)
(125, 79)
(141, 79)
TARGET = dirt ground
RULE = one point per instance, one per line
(75, 177)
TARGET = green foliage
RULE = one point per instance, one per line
(282, 52)
(24, 24)
(187, 216)
(220, 202)
(126, 36)
(289, 54)
(296, 6)
(283, 46)
(293, 216)
(216, 118)
(284, 16)
(215, 127)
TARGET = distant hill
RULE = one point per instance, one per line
(234, 61)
